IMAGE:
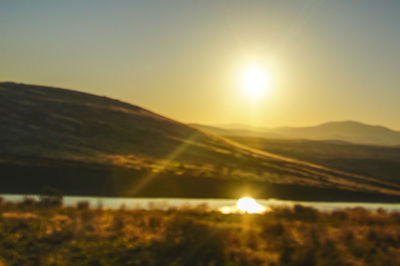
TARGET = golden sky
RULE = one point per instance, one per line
(328, 60)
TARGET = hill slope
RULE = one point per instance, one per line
(86, 144)
(349, 131)
(381, 162)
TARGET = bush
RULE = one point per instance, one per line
(189, 242)
(82, 205)
(28, 202)
(339, 216)
(305, 213)
(51, 197)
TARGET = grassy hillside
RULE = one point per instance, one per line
(86, 144)
(375, 161)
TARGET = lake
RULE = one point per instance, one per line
(215, 204)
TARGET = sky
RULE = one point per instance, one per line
(328, 60)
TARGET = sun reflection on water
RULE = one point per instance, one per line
(244, 205)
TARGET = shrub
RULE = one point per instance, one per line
(28, 202)
(305, 213)
(274, 230)
(190, 242)
(339, 216)
(51, 197)
(82, 205)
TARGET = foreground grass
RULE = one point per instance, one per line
(33, 234)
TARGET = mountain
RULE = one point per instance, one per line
(349, 131)
(84, 144)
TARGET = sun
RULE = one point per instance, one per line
(249, 205)
(255, 80)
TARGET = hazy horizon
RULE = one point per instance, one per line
(241, 125)
(328, 60)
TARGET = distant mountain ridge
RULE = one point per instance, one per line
(349, 131)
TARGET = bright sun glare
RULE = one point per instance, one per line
(249, 205)
(255, 80)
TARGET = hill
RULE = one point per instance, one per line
(381, 162)
(349, 131)
(84, 144)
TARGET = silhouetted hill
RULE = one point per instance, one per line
(349, 131)
(51, 122)
(90, 145)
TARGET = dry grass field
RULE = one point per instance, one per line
(45, 233)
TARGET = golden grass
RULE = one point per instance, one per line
(32, 234)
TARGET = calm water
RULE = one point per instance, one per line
(165, 203)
